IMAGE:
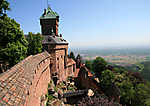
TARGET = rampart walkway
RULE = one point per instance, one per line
(26, 82)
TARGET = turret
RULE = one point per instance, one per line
(49, 21)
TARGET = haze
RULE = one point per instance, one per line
(91, 23)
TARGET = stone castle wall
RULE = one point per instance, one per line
(59, 60)
(25, 83)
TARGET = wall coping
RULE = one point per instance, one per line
(15, 83)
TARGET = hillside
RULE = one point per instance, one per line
(143, 68)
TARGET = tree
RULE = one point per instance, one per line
(72, 55)
(35, 43)
(134, 91)
(107, 78)
(147, 102)
(88, 64)
(99, 65)
(142, 94)
(13, 46)
(4, 5)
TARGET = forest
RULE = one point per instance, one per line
(131, 84)
(143, 68)
(134, 85)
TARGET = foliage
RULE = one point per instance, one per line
(142, 94)
(55, 89)
(97, 101)
(35, 43)
(107, 78)
(99, 65)
(49, 98)
(4, 5)
(147, 102)
(13, 46)
(88, 64)
(146, 70)
(72, 55)
(143, 68)
(134, 90)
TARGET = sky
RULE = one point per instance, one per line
(90, 23)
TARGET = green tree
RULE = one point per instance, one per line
(147, 102)
(99, 65)
(88, 64)
(4, 5)
(127, 92)
(13, 46)
(134, 90)
(107, 78)
(72, 55)
(142, 93)
(35, 43)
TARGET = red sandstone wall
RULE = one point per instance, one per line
(26, 82)
(60, 69)
(59, 54)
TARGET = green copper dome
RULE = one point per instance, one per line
(49, 14)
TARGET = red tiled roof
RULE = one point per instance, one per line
(76, 72)
(70, 62)
(78, 69)
(90, 74)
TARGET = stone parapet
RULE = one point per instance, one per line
(26, 82)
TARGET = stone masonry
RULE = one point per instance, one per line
(55, 45)
(26, 82)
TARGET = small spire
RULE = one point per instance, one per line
(48, 5)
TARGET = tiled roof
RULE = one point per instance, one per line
(70, 62)
(53, 40)
(15, 83)
(49, 14)
(76, 72)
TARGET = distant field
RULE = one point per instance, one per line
(121, 60)
(116, 56)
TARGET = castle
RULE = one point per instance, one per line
(56, 45)
(26, 82)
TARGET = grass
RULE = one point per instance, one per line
(50, 97)
(55, 89)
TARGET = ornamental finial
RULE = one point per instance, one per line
(48, 5)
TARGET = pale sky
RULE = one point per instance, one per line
(90, 23)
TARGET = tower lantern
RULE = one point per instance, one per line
(49, 21)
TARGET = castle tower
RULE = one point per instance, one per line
(49, 21)
(54, 43)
